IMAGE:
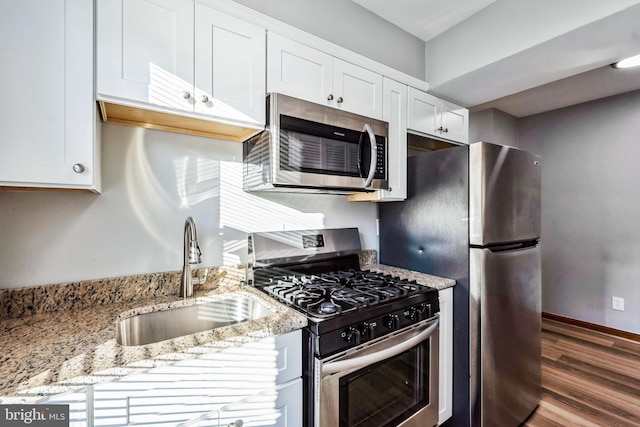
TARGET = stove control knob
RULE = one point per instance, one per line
(368, 330)
(413, 313)
(352, 335)
(425, 311)
(392, 321)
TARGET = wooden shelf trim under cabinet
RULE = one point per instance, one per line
(132, 116)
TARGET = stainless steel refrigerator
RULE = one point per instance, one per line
(473, 215)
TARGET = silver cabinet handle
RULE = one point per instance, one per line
(204, 99)
(78, 168)
(330, 97)
(186, 94)
(340, 100)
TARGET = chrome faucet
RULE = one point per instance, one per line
(191, 256)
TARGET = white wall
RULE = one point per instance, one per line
(351, 26)
(152, 181)
(590, 208)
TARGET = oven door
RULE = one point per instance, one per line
(390, 382)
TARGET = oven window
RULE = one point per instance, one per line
(387, 393)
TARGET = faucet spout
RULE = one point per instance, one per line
(192, 255)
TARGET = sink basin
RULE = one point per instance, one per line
(158, 326)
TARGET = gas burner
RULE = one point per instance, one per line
(334, 293)
(327, 307)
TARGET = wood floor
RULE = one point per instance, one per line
(588, 379)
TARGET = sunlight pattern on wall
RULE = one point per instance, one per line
(251, 213)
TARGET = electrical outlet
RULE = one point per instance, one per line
(617, 303)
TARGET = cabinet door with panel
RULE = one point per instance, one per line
(307, 73)
(47, 113)
(395, 113)
(446, 355)
(229, 67)
(195, 61)
(146, 63)
(299, 70)
(434, 116)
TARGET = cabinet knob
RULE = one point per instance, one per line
(446, 130)
(340, 100)
(186, 94)
(330, 97)
(78, 168)
(236, 423)
(204, 99)
(440, 129)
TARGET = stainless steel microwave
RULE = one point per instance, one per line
(307, 147)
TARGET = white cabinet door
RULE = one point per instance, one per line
(446, 355)
(229, 67)
(307, 73)
(455, 122)
(423, 112)
(145, 51)
(434, 116)
(47, 111)
(299, 70)
(395, 113)
(357, 89)
(278, 407)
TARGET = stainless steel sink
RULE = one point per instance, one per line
(158, 326)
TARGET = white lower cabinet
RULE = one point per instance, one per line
(49, 137)
(446, 355)
(278, 407)
(258, 382)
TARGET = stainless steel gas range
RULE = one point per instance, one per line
(371, 345)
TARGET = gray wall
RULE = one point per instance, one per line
(495, 126)
(152, 181)
(351, 26)
(590, 208)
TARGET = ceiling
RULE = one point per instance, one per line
(537, 90)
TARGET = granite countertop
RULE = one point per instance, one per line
(54, 350)
(57, 351)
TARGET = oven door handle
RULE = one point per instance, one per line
(379, 356)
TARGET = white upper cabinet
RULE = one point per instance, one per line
(307, 73)
(434, 116)
(395, 113)
(151, 64)
(194, 60)
(47, 112)
(229, 67)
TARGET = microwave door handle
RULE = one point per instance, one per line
(369, 359)
(374, 154)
